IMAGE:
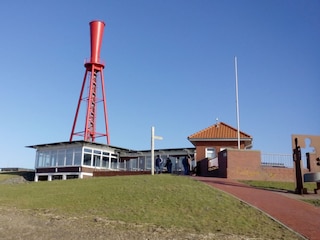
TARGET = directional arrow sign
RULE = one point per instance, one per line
(158, 137)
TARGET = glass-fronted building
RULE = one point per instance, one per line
(81, 159)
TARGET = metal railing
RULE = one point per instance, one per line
(276, 160)
(143, 164)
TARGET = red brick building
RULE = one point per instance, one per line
(211, 140)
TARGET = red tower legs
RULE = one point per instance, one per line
(94, 73)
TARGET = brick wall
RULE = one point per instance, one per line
(243, 164)
(246, 165)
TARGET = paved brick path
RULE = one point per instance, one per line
(299, 216)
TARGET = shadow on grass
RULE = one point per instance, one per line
(27, 175)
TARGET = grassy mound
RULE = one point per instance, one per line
(166, 201)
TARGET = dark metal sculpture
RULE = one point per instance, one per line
(297, 161)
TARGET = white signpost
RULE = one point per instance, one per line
(153, 137)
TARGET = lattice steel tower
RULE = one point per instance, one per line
(93, 79)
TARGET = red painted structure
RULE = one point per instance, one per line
(94, 73)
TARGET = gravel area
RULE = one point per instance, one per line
(41, 224)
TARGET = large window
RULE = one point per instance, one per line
(53, 158)
(87, 159)
(69, 157)
(59, 157)
(39, 157)
(73, 156)
(114, 161)
(77, 157)
(96, 158)
(105, 159)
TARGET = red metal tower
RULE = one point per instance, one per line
(94, 73)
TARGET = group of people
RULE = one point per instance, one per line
(159, 162)
(168, 165)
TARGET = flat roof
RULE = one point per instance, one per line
(127, 150)
(82, 142)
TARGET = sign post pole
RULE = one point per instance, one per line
(153, 137)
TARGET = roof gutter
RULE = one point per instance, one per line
(217, 139)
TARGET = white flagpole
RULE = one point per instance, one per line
(237, 100)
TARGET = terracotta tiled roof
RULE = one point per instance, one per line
(218, 131)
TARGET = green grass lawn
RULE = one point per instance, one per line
(163, 200)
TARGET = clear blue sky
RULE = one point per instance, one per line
(170, 64)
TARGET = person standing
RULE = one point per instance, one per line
(169, 165)
(158, 163)
(186, 166)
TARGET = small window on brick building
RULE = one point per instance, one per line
(211, 152)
